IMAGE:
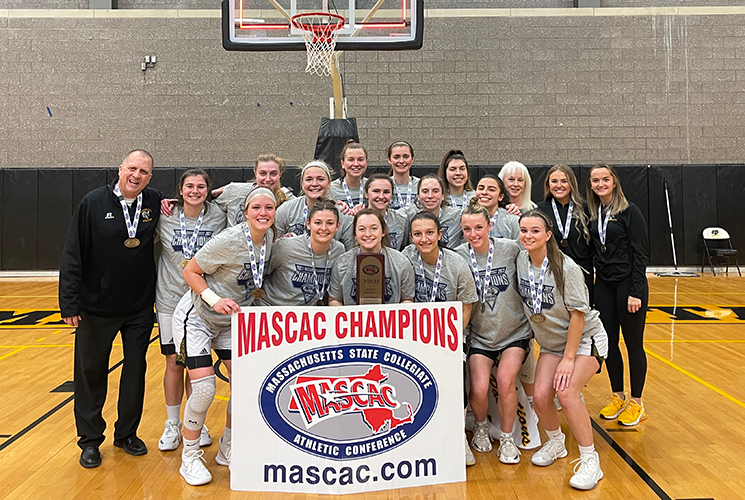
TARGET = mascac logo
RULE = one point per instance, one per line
(348, 402)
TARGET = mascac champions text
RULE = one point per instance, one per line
(431, 325)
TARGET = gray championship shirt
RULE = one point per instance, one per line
(452, 234)
(290, 280)
(397, 223)
(401, 193)
(460, 201)
(291, 219)
(556, 306)
(226, 263)
(399, 278)
(336, 192)
(456, 281)
(232, 197)
(503, 319)
(171, 286)
(507, 226)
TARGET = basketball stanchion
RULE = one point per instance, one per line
(676, 273)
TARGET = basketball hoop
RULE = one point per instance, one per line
(320, 31)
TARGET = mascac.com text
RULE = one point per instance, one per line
(297, 474)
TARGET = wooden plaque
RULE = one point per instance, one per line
(370, 278)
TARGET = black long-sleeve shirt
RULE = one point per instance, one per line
(98, 274)
(626, 249)
(578, 248)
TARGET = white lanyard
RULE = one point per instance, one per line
(536, 292)
(320, 288)
(349, 196)
(188, 249)
(131, 228)
(436, 279)
(567, 226)
(258, 272)
(487, 277)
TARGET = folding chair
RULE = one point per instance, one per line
(717, 243)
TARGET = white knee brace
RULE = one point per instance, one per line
(202, 393)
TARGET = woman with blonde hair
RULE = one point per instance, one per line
(621, 246)
(567, 211)
(517, 181)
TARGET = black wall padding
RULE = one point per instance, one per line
(290, 178)
(37, 204)
(222, 176)
(730, 191)
(699, 208)
(164, 180)
(85, 180)
(660, 250)
(55, 209)
(537, 177)
(20, 206)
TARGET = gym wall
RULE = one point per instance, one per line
(644, 87)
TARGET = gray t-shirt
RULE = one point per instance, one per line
(452, 234)
(507, 226)
(226, 263)
(397, 223)
(232, 197)
(336, 192)
(456, 281)
(556, 306)
(291, 219)
(503, 319)
(290, 280)
(171, 286)
(401, 193)
(460, 201)
(399, 278)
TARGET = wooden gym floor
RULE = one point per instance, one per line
(691, 446)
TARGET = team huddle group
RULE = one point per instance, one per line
(567, 273)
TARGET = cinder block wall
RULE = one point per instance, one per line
(576, 89)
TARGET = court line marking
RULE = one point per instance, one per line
(696, 378)
(630, 461)
(54, 410)
(13, 352)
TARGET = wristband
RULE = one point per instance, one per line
(209, 297)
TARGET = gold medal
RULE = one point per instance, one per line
(131, 243)
(185, 263)
(564, 243)
(257, 293)
(538, 318)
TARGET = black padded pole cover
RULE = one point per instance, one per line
(332, 135)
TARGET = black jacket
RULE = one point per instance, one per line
(626, 252)
(98, 274)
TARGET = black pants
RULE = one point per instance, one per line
(93, 341)
(611, 300)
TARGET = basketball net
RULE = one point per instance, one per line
(320, 32)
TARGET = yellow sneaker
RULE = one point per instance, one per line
(614, 407)
(632, 414)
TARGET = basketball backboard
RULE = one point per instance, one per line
(264, 25)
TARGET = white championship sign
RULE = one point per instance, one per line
(335, 400)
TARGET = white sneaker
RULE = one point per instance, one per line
(587, 472)
(470, 459)
(204, 438)
(508, 452)
(223, 453)
(481, 441)
(553, 449)
(193, 468)
(171, 438)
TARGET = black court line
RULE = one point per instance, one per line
(5, 435)
(32, 425)
(631, 462)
